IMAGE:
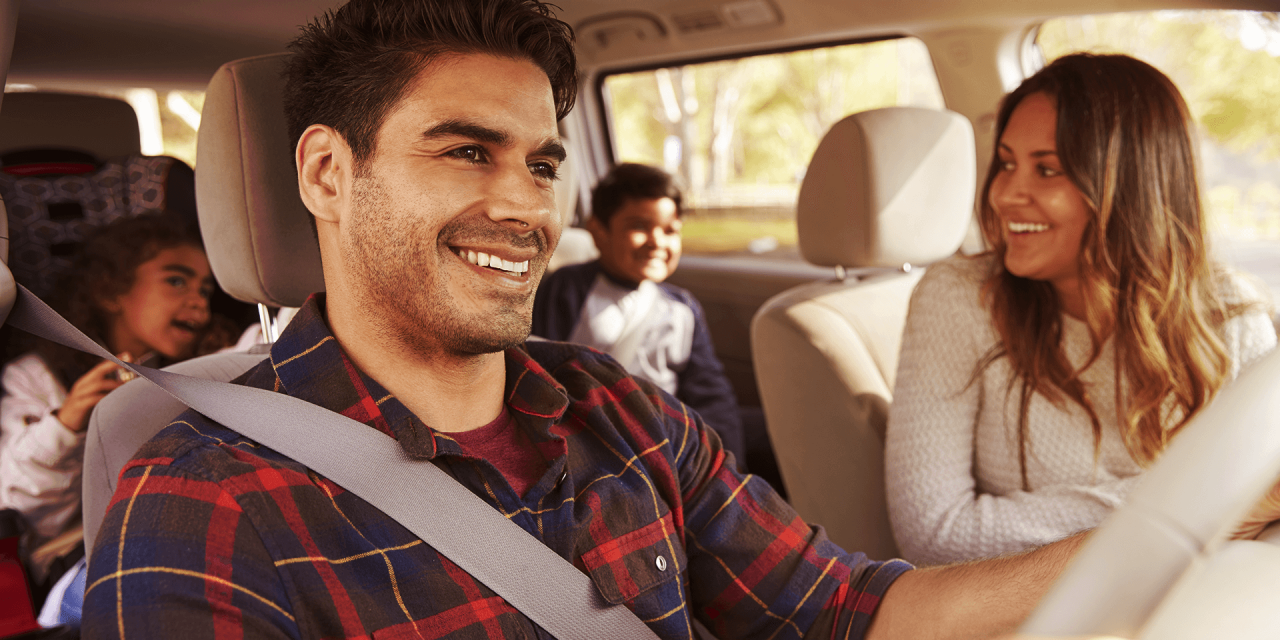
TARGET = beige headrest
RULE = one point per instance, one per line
(104, 127)
(258, 233)
(888, 187)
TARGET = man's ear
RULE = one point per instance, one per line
(325, 170)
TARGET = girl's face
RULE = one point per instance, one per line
(1043, 214)
(167, 307)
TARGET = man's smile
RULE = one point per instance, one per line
(515, 267)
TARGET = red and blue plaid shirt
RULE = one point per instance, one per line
(210, 535)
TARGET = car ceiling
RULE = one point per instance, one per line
(179, 44)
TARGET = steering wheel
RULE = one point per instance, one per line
(1161, 566)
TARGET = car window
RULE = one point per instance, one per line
(167, 119)
(738, 134)
(1227, 66)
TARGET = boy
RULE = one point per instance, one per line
(621, 305)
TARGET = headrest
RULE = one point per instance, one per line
(104, 127)
(888, 187)
(259, 236)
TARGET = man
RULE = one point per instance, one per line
(427, 144)
(621, 305)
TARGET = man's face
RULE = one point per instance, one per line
(453, 218)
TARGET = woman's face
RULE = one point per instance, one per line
(1042, 214)
(167, 307)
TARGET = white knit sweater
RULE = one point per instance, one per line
(951, 453)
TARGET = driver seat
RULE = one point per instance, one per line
(261, 247)
(887, 191)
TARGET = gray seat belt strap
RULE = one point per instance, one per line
(526, 573)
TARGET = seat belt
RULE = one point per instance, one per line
(507, 559)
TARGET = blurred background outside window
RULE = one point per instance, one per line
(739, 134)
(1227, 66)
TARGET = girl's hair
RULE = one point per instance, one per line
(1123, 140)
(104, 269)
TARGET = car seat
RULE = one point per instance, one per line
(886, 192)
(261, 247)
(72, 163)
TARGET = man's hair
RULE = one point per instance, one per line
(352, 65)
(631, 181)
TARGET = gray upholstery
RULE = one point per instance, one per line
(130, 416)
(258, 233)
(884, 188)
(261, 247)
(104, 127)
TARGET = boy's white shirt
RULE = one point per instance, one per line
(646, 331)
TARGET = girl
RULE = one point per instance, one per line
(1038, 379)
(141, 287)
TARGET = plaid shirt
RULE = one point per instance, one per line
(210, 535)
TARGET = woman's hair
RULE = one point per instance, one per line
(1123, 139)
(104, 268)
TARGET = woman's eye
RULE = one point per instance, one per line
(1006, 165)
(1049, 172)
(545, 170)
(177, 282)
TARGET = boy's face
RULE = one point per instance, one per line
(641, 241)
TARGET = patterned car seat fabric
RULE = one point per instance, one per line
(53, 205)
(68, 164)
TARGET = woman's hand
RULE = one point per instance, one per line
(85, 394)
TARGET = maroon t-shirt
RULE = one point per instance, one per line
(504, 444)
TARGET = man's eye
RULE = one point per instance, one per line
(177, 282)
(472, 154)
(545, 170)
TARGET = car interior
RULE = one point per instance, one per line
(810, 342)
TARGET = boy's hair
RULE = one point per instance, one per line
(631, 181)
(352, 65)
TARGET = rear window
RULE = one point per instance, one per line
(738, 134)
(1227, 66)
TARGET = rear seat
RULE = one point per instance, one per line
(72, 163)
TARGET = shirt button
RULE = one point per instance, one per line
(661, 563)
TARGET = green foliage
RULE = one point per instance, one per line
(1233, 92)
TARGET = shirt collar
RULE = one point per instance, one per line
(311, 365)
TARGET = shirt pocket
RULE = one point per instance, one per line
(635, 562)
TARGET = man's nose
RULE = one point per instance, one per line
(520, 200)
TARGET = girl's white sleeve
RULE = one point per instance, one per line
(41, 460)
(936, 510)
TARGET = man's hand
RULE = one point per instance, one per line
(85, 394)
(1266, 511)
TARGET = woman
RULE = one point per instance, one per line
(1038, 379)
(141, 287)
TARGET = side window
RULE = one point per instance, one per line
(738, 134)
(1227, 66)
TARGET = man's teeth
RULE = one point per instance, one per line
(1027, 227)
(482, 259)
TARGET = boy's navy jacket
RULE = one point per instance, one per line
(701, 382)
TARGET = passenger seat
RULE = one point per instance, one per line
(887, 192)
(260, 245)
